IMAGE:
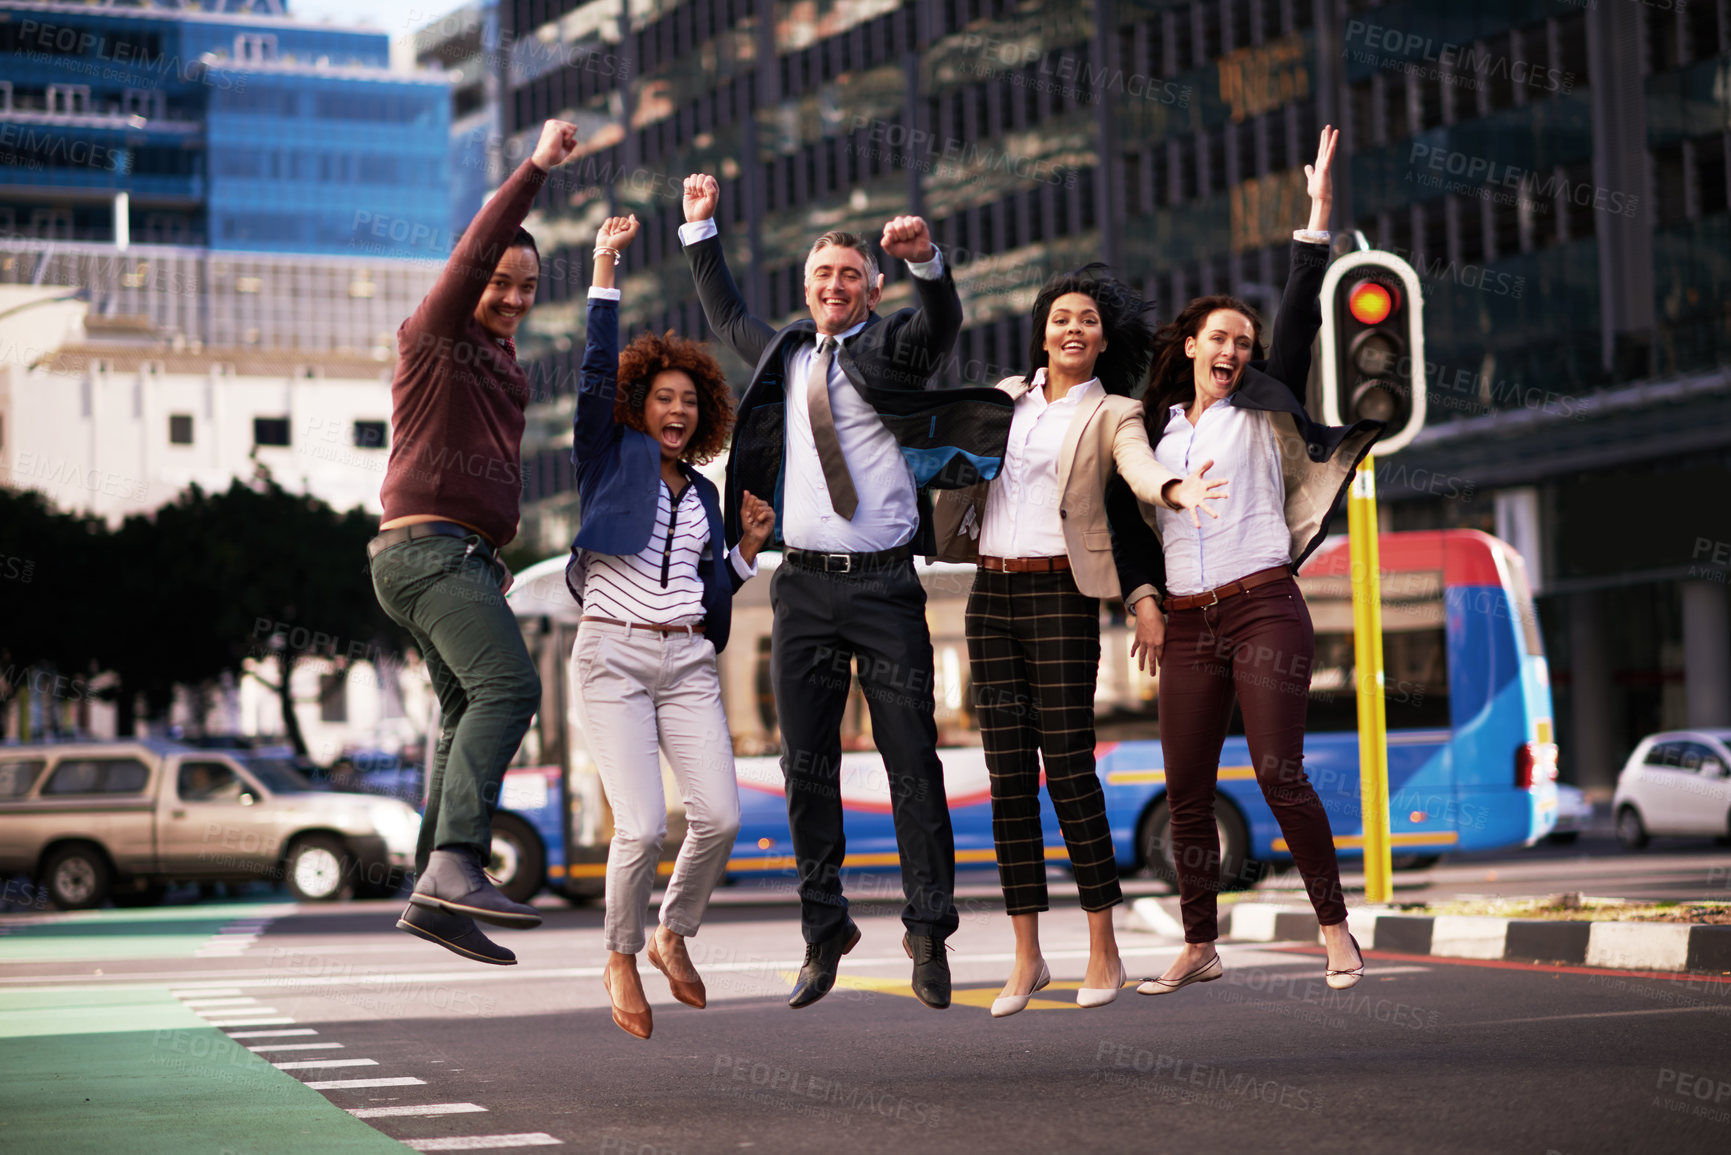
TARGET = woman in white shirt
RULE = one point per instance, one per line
(651, 567)
(1235, 626)
(1039, 534)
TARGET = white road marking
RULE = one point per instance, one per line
(247, 1001)
(230, 1012)
(187, 992)
(271, 1034)
(1596, 1015)
(483, 1142)
(409, 1112)
(358, 1084)
(319, 1064)
(264, 1022)
(297, 1047)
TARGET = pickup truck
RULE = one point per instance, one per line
(97, 820)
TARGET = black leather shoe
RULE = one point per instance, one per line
(456, 933)
(454, 882)
(817, 975)
(931, 969)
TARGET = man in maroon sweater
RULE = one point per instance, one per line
(450, 495)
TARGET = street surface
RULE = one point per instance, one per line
(257, 1025)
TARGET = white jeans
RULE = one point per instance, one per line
(639, 690)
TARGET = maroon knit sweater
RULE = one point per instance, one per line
(458, 396)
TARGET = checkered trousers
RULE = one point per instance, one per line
(1034, 650)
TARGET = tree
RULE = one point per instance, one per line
(47, 615)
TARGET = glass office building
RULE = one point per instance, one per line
(1556, 171)
(234, 131)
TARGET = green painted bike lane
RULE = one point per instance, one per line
(136, 1072)
(132, 1070)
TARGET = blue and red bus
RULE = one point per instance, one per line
(1472, 760)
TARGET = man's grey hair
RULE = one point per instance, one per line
(846, 240)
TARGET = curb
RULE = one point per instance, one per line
(1648, 946)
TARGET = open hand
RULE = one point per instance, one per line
(1319, 177)
(617, 233)
(756, 519)
(1195, 491)
(558, 141)
(702, 194)
(907, 239)
(1149, 644)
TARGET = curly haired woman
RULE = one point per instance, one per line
(656, 581)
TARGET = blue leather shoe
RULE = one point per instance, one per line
(457, 933)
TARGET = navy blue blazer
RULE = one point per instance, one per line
(619, 479)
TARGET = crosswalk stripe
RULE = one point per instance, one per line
(271, 1034)
(483, 1142)
(296, 1047)
(317, 1064)
(409, 1112)
(358, 1084)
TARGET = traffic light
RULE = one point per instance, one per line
(1373, 346)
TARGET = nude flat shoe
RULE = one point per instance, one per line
(1006, 1005)
(638, 1023)
(1206, 973)
(1100, 996)
(692, 994)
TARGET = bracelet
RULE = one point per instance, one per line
(614, 253)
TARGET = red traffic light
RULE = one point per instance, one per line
(1370, 302)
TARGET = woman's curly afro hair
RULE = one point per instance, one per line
(648, 355)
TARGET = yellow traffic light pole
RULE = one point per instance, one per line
(1372, 704)
(1361, 523)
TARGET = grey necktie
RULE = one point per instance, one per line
(835, 474)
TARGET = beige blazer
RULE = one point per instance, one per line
(1105, 432)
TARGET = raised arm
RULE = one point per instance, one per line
(723, 304)
(1300, 316)
(458, 290)
(920, 339)
(598, 380)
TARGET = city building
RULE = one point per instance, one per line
(1555, 171)
(465, 44)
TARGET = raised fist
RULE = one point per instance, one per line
(558, 141)
(702, 194)
(617, 233)
(907, 239)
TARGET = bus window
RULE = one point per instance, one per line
(1414, 653)
(1513, 569)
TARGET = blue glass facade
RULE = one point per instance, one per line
(241, 133)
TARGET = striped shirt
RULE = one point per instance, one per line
(659, 585)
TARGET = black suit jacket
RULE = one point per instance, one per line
(1317, 460)
(950, 438)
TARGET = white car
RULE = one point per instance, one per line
(1676, 782)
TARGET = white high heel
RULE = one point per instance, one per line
(1006, 1005)
(1100, 996)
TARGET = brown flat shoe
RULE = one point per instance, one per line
(692, 994)
(638, 1023)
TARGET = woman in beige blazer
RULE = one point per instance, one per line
(1039, 534)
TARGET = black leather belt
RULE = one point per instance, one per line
(847, 562)
(390, 537)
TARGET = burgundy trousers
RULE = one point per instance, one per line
(1257, 646)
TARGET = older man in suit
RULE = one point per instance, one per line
(838, 424)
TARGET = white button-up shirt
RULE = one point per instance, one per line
(888, 513)
(1251, 532)
(1021, 517)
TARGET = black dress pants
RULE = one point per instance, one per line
(825, 623)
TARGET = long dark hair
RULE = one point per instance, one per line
(1174, 380)
(1123, 318)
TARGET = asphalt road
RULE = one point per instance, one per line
(1424, 1055)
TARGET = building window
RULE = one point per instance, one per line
(180, 429)
(371, 434)
(270, 431)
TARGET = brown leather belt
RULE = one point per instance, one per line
(694, 628)
(1245, 584)
(1025, 564)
